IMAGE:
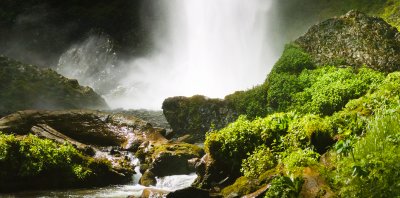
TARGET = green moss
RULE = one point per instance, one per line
(25, 159)
(177, 149)
(261, 160)
(231, 145)
(293, 60)
(284, 187)
(241, 187)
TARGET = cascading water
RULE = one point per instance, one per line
(208, 47)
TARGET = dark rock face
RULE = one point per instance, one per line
(189, 192)
(38, 32)
(86, 126)
(354, 39)
(28, 87)
(195, 115)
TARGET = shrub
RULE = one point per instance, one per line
(22, 159)
(384, 96)
(334, 88)
(261, 160)
(293, 60)
(309, 130)
(282, 87)
(284, 187)
(252, 102)
(296, 160)
(372, 170)
(231, 144)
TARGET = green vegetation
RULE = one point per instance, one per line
(339, 123)
(28, 158)
(261, 160)
(232, 144)
(369, 167)
(284, 187)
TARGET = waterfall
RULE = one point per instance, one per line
(207, 47)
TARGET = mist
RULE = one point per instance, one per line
(207, 47)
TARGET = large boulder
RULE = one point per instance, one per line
(161, 159)
(196, 115)
(25, 86)
(354, 39)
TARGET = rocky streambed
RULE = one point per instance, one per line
(140, 155)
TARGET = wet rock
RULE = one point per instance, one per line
(164, 158)
(191, 192)
(148, 179)
(210, 174)
(153, 193)
(195, 115)
(314, 185)
(85, 126)
(354, 39)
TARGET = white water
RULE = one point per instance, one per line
(208, 47)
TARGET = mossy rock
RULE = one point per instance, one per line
(172, 159)
(148, 179)
(28, 87)
(354, 39)
(196, 115)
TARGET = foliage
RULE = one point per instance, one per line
(298, 159)
(231, 144)
(293, 60)
(241, 187)
(334, 88)
(261, 160)
(308, 130)
(372, 170)
(252, 102)
(281, 89)
(284, 187)
(386, 96)
(28, 157)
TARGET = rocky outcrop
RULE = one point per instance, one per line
(86, 126)
(106, 136)
(28, 87)
(161, 159)
(354, 39)
(196, 115)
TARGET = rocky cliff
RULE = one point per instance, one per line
(25, 86)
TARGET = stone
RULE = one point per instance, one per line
(196, 115)
(354, 39)
(191, 192)
(148, 179)
(85, 126)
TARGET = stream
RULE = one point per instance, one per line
(168, 183)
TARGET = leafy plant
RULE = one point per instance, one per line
(296, 160)
(284, 187)
(261, 160)
(372, 170)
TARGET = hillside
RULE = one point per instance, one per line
(28, 87)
